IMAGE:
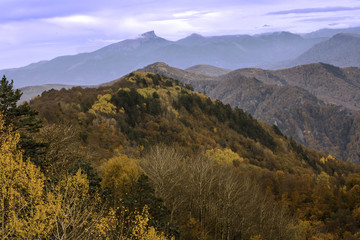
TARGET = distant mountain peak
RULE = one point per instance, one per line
(208, 70)
(192, 39)
(149, 35)
(275, 33)
(282, 34)
(158, 64)
(196, 35)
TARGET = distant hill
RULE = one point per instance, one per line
(30, 92)
(33, 91)
(93, 68)
(273, 97)
(200, 82)
(330, 32)
(110, 62)
(341, 50)
(208, 70)
(144, 108)
(298, 113)
(334, 85)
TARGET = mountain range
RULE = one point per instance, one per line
(333, 85)
(329, 32)
(316, 104)
(295, 100)
(342, 50)
(110, 62)
(270, 51)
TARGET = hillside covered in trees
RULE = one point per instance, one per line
(148, 158)
(299, 101)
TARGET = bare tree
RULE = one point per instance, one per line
(227, 204)
(164, 166)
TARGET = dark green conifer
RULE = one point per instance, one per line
(22, 119)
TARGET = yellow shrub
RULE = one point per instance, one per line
(223, 156)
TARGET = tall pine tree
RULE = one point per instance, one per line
(22, 119)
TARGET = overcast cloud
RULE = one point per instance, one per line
(34, 30)
(315, 10)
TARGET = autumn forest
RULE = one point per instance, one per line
(149, 158)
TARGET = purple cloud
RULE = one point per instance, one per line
(314, 10)
(322, 19)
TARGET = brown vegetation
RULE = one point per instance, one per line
(147, 158)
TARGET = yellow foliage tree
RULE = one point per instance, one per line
(223, 156)
(103, 105)
(107, 226)
(324, 179)
(256, 237)
(26, 209)
(142, 231)
(324, 160)
(118, 174)
(78, 214)
(133, 227)
(146, 92)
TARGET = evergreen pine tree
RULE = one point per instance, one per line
(22, 119)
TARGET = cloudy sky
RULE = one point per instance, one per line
(34, 30)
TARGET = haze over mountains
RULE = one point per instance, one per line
(31, 91)
(341, 50)
(272, 50)
(328, 32)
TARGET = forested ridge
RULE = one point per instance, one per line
(148, 158)
(311, 103)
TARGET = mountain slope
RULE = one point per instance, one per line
(329, 128)
(198, 81)
(328, 33)
(341, 50)
(331, 84)
(146, 108)
(208, 70)
(269, 96)
(93, 68)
